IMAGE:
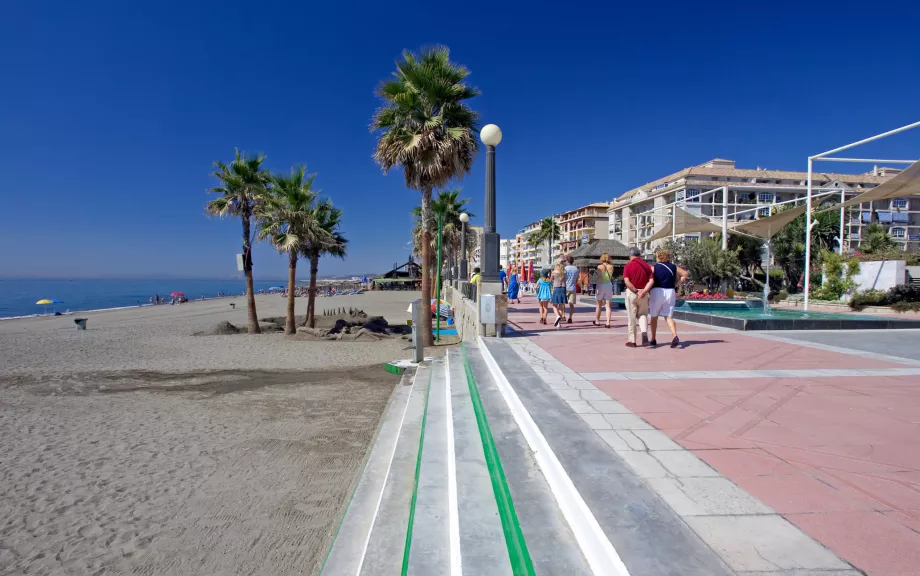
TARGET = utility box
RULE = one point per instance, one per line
(487, 308)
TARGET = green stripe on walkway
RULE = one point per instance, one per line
(418, 469)
(521, 565)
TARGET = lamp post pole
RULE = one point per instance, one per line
(437, 300)
(491, 135)
(464, 275)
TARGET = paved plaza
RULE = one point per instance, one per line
(782, 451)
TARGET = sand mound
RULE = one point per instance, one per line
(221, 329)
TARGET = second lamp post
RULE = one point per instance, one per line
(490, 135)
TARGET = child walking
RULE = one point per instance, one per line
(544, 294)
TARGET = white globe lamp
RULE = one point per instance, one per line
(491, 135)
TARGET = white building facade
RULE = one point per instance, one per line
(637, 214)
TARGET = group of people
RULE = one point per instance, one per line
(651, 294)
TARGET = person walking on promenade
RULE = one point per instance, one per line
(604, 291)
(571, 281)
(559, 299)
(638, 278)
(663, 297)
(513, 287)
(544, 294)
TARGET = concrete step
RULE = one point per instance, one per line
(482, 540)
(546, 545)
(430, 514)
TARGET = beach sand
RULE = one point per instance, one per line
(135, 447)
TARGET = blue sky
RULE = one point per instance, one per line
(111, 113)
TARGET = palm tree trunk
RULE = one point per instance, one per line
(247, 270)
(425, 328)
(289, 327)
(311, 299)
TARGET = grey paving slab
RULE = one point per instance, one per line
(608, 406)
(581, 407)
(687, 374)
(596, 421)
(764, 543)
(601, 376)
(595, 395)
(552, 546)
(654, 440)
(649, 537)
(627, 422)
(482, 541)
(614, 440)
(570, 394)
(706, 496)
(388, 536)
(683, 464)
(645, 375)
(804, 572)
(896, 343)
(348, 548)
(430, 550)
(644, 464)
(632, 441)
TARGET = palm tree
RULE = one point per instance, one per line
(450, 205)
(328, 219)
(547, 232)
(288, 219)
(426, 128)
(243, 185)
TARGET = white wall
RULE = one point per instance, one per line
(880, 275)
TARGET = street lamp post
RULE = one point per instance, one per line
(464, 218)
(491, 135)
(437, 301)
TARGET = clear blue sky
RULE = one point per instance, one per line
(111, 113)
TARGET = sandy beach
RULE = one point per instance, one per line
(136, 447)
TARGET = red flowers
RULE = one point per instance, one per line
(701, 296)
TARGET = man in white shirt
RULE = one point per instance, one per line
(571, 279)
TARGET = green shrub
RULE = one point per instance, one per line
(903, 293)
(780, 296)
(865, 298)
(906, 307)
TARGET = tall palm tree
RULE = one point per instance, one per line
(450, 205)
(328, 218)
(548, 232)
(243, 185)
(427, 128)
(287, 218)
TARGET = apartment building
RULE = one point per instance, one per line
(582, 225)
(525, 252)
(637, 214)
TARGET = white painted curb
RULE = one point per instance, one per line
(594, 544)
(453, 508)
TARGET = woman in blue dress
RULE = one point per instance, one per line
(513, 287)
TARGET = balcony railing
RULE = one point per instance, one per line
(470, 291)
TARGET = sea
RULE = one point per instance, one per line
(18, 297)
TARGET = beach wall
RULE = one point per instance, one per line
(464, 313)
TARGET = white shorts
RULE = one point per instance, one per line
(661, 302)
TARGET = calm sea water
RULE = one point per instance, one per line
(18, 297)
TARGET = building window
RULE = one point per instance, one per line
(763, 212)
(765, 198)
(898, 233)
(899, 203)
(693, 195)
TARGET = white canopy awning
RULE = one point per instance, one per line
(769, 226)
(907, 183)
(683, 223)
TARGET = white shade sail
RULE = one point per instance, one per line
(683, 223)
(769, 226)
(907, 183)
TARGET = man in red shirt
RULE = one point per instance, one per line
(637, 275)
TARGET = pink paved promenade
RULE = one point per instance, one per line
(838, 456)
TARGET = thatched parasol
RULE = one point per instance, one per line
(590, 254)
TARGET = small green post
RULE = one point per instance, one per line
(437, 300)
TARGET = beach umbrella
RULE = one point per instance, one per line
(44, 302)
(177, 295)
(276, 289)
